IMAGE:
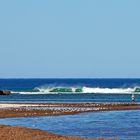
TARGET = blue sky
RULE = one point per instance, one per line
(70, 38)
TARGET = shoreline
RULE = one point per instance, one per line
(22, 133)
(35, 110)
(54, 109)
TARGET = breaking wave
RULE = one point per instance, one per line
(107, 90)
(75, 90)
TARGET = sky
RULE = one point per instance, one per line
(70, 39)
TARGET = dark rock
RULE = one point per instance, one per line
(5, 92)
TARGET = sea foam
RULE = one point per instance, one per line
(46, 90)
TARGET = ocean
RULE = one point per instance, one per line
(108, 124)
(91, 90)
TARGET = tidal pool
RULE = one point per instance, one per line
(124, 125)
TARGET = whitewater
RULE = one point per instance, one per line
(75, 90)
(46, 90)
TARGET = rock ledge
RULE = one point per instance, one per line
(5, 92)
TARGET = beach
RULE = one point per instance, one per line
(20, 133)
(54, 109)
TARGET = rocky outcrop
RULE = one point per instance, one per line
(5, 92)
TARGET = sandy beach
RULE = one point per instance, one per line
(30, 110)
(20, 133)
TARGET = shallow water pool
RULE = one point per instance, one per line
(119, 124)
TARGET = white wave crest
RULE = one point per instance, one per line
(107, 90)
(95, 90)
(24, 92)
(46, 90)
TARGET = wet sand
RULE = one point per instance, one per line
(30, 110)
(21, 133)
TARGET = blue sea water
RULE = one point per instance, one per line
(121, 124)
(94, 90)
(114, 124)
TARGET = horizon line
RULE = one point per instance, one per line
(69, 78)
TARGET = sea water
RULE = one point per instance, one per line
(93, 90)
(112, 124)
(120, 124)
